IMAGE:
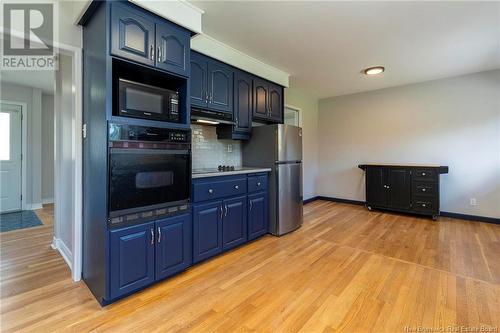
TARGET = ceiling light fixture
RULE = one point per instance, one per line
(374, 70)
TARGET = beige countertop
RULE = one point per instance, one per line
(203, 173)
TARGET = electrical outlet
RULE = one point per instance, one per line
(229, 148)
(473, 202)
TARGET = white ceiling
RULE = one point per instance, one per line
(325, 45)
(44, 80)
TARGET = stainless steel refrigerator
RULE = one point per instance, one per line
(279, 147)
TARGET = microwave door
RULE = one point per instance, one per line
(148, 102)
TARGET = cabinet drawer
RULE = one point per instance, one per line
(425, 175)
(257, 183)
(425, 204)
(425, 188)
(218, 189)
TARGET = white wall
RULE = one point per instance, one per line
(454, 122)
(47, 194)
(69, 33)
(33, 98)
(309, 122)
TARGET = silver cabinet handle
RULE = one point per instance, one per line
(258, 184)
(211, 98)
(388, 186)
(251, 204)
(221, 212)
(236, 187)
(226, 209)
(210, 191)
(159, 234)
(423, 205)
(206, 96)
(152, 237)
(159, 53)
(423, 190)
(152, 52)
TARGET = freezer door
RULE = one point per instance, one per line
(289, 179)
(289, 143)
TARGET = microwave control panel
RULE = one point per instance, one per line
(174, 105)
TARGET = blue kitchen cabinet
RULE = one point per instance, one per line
(243, 102)
(147, 39)
(198, 78)
(132, 35)
(220, 87)
(207, 230)
(172, 49)
(276, 108)
(132, 258)
(267, 101)
(260, 99)
(257, 215)
(234, 222)
(173, 245)
(242, 109)
(211, 84)
(227, 212)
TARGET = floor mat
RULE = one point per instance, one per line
(19, 220)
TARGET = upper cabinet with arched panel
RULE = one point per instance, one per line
(147, 39)
(211, 84)
(132, 35)
(172, 47)
(220, 86)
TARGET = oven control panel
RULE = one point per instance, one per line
(125, 132)
(178, 136)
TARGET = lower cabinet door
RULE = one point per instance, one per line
(399, 188)
(132, 263)
(257, 215)
(234, 223)
(376, 186)
(207, 230)
(173, 245)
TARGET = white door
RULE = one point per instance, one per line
(10, 157)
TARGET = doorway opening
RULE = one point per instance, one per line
(40, 163)
(26, 151)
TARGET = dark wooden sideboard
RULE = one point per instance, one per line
(403, 188)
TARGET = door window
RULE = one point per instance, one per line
(292, 116)
(4, 136)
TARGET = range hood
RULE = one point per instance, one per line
(205, 117)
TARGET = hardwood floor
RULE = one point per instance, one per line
(46, 214)
(345, 270)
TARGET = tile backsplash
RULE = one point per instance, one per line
(209, 152)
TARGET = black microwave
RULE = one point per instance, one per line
(140, 100)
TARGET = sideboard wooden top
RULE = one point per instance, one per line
(441, 168)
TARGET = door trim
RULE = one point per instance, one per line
(24, 138)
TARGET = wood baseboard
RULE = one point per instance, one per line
(445, 214)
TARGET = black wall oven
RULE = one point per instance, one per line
(149, 172)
